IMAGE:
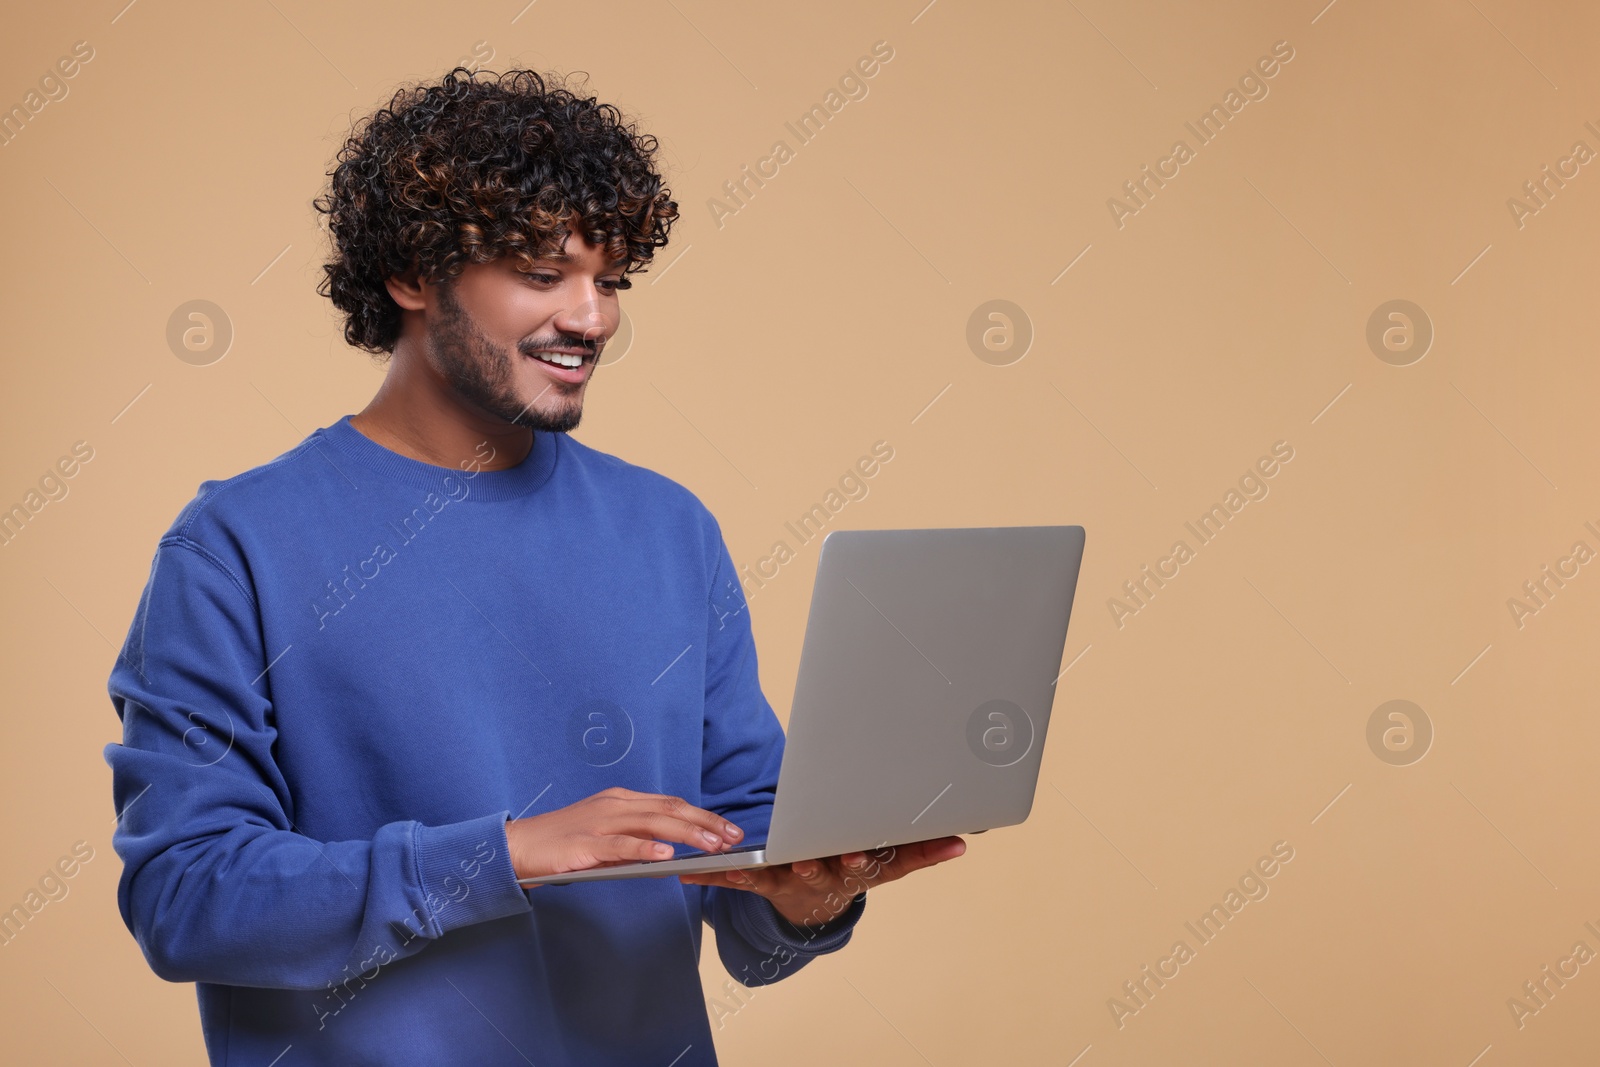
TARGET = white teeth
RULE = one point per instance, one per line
(561, 359)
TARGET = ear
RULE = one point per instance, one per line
(406, 290)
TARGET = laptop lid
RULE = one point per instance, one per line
(925, 685)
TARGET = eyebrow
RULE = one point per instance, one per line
(564, 257)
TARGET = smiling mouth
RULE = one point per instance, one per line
(568, 360)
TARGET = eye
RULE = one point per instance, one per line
(614, 286)
(543, 278)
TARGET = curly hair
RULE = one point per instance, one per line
(471, 170)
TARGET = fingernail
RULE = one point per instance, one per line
(710, 838)
(732, 832)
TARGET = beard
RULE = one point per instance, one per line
(481, 372)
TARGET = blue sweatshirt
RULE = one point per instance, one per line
(348, 669)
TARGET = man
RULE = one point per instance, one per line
(440, 645)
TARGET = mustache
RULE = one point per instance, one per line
(588, 348)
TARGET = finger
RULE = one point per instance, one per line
(854, 862)
(678, 808)
(935, 850)
(856, 872)
(815, 874)
(735, 879)
(760, 879)
(709, 878)
(648, 823)
(888, 864)
(614, 848)
(918, 855)
(815, 878)
(856, 867)
(713, 823)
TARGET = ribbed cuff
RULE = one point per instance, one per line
(765, 928)
(465, 873)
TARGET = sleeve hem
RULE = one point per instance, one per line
(765, 928)
(466, 868)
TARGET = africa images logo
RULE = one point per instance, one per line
(1205, 129)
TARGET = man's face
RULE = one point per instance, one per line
(488, 327)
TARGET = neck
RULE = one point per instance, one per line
(416, 415)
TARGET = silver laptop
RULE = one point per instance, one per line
(924, 692)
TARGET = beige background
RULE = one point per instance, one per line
(827, 314)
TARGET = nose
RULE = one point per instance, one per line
(587, 320)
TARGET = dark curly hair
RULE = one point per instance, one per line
(473, 169)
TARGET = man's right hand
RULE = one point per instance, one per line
(614, 826)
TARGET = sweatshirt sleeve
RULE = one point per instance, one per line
(217, 883)
(743, 750)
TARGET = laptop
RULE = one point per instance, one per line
(923, 697)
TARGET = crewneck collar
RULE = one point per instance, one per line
(534, 470)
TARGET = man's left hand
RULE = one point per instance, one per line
(810, 893)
